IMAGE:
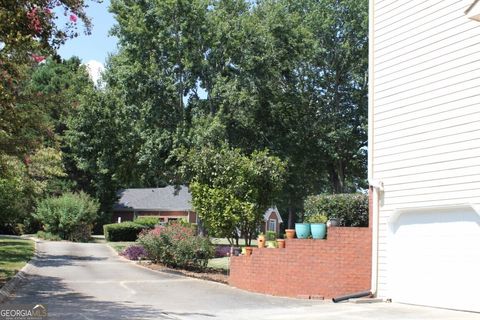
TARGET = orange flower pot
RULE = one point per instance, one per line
(281, 243)
(261, 241)
(290, 233)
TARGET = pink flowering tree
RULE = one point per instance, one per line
(30, 31)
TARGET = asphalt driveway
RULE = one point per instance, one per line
(89, 281)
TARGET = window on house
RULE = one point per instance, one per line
(272, 225)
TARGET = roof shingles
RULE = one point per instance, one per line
(154, 199)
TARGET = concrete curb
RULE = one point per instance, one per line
(8, 290)
(138, 265)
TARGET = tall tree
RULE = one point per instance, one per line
(36, 149)
(283, 75)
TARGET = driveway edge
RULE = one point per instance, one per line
(167, 270)
(7, 291)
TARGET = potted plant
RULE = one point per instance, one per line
(271, 238)
(317, 225)
(302, 230)
(248, 251)
(290, 233)
(281, 243)
(261, 240)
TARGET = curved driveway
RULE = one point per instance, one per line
(89, 281)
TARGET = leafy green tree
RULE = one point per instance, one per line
(284, 75)
(307, 93)
(231, 191)
(58, 88)
(98, 137)
(156, 72)
(35, 136)
(13, 190)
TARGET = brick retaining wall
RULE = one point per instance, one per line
(338, 265)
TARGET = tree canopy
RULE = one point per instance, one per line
(191, 79)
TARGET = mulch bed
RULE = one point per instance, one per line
(208, 274)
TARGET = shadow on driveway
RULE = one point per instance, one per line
(62, 303)
(48, 260)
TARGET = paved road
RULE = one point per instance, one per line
(88, 281)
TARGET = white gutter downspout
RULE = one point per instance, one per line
(375, 184)
(377, 188)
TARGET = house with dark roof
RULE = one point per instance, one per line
(166, 203)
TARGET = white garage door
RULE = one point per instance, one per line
(434, 259)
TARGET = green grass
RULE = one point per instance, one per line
(120, 245)
(219, 263)
(224, 241)
(14, 254)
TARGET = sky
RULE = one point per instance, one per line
(93, 49)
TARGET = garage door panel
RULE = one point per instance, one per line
(435, 259)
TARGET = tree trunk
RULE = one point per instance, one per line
(236, 239)
(290, 218)
(337, 178)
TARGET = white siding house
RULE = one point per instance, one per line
(424, 151)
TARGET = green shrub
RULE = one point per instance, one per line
(271, 236)
(125, 231)
(176, 245)
(316, 218)
(149, 222)
(70, 216)
(350, 209)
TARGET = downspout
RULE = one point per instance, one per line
(377, 188)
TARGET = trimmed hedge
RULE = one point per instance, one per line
(125, 231)
(149, 222)
(351, 209)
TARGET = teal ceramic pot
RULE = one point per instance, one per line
(319, 230)
(302, 230)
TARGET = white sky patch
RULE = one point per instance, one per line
(95, 70)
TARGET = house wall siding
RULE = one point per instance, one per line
(425, 109)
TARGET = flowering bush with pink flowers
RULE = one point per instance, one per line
(177, 245)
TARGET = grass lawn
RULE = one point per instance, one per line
(14, 254)
(224, 241)
(219, 263)
(120, 245)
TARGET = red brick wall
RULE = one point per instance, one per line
(125, 215)
(339, 265)
(128, 216)
(163, 213)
